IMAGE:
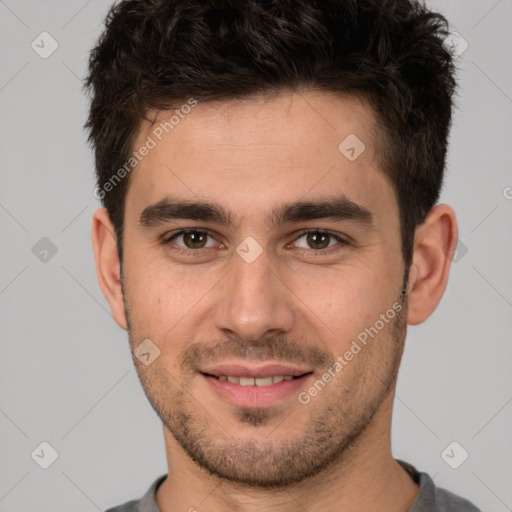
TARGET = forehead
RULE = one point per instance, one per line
(284, 118)
(255, 151)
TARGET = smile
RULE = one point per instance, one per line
(250, 381)
(244, 391)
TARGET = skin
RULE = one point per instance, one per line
(289, 304)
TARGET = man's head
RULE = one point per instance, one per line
(304, 161)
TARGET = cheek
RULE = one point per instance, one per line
(342, 302)
(156, 305)
(163, 298)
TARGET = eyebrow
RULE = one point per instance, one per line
(338, 208)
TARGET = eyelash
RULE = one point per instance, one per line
(197, 252)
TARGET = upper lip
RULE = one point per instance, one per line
(255, 371)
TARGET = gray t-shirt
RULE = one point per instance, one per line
(430, 498)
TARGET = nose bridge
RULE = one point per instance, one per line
(253, 301)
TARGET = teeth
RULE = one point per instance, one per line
(258, 381)
(263, 381)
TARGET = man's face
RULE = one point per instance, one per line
(235, 299)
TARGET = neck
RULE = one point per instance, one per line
(365, 477)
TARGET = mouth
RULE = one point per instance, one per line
(255, 381)
(251, 386)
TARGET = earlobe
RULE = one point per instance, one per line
(434, 246)
(107, 264)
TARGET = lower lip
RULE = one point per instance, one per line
(255, 396)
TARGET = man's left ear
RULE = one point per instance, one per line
(435, 242)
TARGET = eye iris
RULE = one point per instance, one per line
(314, 238)
(196, 239)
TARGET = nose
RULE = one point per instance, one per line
(253, 301)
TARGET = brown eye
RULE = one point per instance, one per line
(194, 239)
(191, 239)
(320, 241)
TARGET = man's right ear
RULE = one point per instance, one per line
(108, 268)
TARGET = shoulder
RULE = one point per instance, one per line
(435, 499)
(145, 504)
(129, 506)
(449, 502)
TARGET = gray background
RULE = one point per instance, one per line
(67, 376)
